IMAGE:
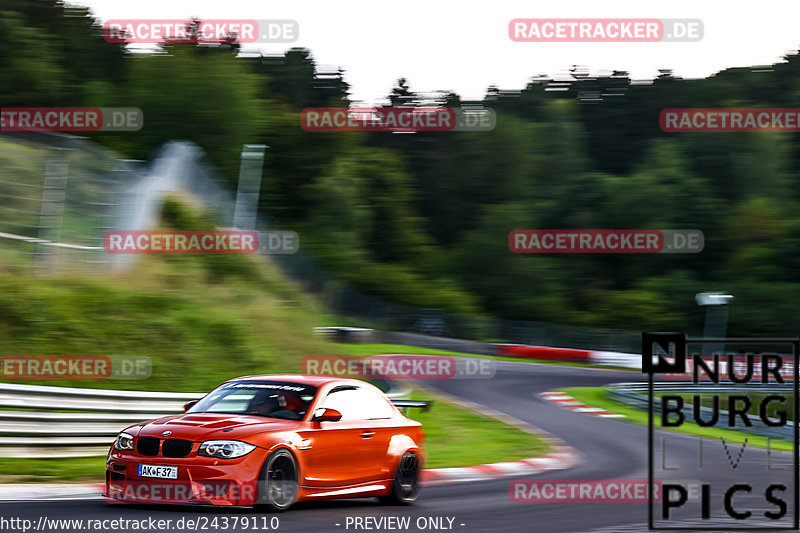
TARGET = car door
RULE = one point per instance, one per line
(381, 421)
(350, 451)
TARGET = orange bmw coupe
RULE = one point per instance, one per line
(272, 440)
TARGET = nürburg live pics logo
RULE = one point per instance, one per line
(732, 464)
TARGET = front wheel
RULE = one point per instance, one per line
(278, 482)
(405, 487)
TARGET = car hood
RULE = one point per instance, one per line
(204, 426)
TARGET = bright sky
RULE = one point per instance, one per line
(464, 46)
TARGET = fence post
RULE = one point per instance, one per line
(51, 214)
(244, 214)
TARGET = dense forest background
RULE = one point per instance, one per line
(423, 219)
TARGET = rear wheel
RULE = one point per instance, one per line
(278, 482)
(405, 487)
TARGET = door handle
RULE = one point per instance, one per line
(367, 434)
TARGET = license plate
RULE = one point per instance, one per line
(165, 472)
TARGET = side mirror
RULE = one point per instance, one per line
(189, 405)
(327, 415)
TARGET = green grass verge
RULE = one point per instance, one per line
(454, 437)
(596, 397)
(196, 332)
(76, 469)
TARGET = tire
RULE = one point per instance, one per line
(405, 486)
(278, 481)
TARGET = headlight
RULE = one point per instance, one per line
(124, 441)
(225, 449)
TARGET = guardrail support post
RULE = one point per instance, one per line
(244, 215)
(51, 214)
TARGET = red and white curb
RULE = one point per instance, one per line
(558, 459)
(561, 455)
(565, 400)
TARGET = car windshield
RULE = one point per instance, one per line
(272, 399)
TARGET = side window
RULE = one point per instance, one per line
(376, 406)
(358, 404)
(346, 402)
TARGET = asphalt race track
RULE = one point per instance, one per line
(614, 450)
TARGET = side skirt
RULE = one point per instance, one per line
(363, 490)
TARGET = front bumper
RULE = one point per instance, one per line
(200, 480)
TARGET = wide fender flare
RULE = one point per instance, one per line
(400, 444)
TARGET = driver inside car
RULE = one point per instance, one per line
(275, 405)
(264, 404)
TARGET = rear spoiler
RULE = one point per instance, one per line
(413, 403)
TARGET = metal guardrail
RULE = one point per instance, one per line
(32, 423)
(353, 335)
(632, 394)
(32, 426)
